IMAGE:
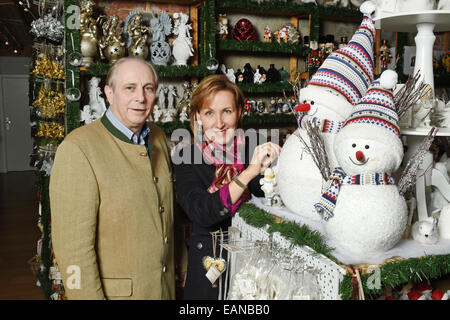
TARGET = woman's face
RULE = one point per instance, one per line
(219, 116)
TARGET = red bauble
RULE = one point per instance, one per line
(244, 31)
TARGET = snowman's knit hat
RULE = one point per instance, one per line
(350, 70)
(377, 107)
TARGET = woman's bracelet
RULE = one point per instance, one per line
(239, 182)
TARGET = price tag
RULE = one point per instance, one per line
(213, 273)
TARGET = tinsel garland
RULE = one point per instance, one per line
(392, 273)
(259, 46)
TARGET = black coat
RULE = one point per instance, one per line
(207, 214)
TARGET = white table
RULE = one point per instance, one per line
(425, 23)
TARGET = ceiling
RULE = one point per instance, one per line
(15, 24)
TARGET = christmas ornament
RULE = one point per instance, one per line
(244, 31)
(48, 27)
(270, 188)
(182, 45)
(425, 231)
(385, 55)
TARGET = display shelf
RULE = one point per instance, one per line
(263, 47)
(425, 23)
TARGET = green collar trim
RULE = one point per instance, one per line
(121, 136)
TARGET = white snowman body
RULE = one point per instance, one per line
(299, 180)
(368, 218)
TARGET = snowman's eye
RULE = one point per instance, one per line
(367, 146)
(354, 145)
(304, 101)
(312, 103)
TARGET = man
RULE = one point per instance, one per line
(111, 197)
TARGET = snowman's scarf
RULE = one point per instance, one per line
(327, 203)
(324, 125)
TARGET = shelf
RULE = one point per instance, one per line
(262, 47)
(265, 87)
(268, 7)
(340, 14)
(101, 69)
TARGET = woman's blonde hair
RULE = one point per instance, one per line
(209, 86)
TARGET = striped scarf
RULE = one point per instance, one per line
(325, 125)
(226, 159)
(325, 207)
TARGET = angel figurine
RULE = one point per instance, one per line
(111, 40)
(182, 45)
(138, 34)
(160, 49)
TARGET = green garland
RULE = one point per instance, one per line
(46, 255)
(277, 87)
(258, 120)
(100, 69)
(263, 47)
(274, 7)
(298, 235)
(393, 273)
(72, 107)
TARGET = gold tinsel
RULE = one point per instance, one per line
(48, 68)
(51, 130)
(52, 103)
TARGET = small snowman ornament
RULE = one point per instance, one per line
(362, 206)
(270, 188)
(327, 100)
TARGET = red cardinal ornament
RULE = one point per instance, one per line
(244, 31)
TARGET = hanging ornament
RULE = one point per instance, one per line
(212, 64)
(244, 31)
(73, 94)
(75, 57)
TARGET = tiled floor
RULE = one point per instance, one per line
(18, 235)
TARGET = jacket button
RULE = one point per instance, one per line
(143, 153)
(164, 269)
(165, 240)
(222, 212)
(199, 245)
(155, 179)
(161, 209)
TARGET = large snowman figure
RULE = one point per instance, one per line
(363, 209)
(328, 99)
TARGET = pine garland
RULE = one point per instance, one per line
(277, 87)
(72, 107)
(263, 47)
(298, 235)
(272, 6)
(100, 69)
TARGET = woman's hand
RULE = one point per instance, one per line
(263, 156)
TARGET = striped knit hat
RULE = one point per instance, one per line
(350, 70)
(347, 72)
(375, 116)
(377, 106)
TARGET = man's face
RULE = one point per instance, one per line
(133, 95)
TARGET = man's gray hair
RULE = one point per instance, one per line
(111, 77)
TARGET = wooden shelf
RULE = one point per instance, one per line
(262, 47)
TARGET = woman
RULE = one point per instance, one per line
(227, 170)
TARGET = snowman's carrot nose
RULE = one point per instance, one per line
(304, 107)
(360, 156)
